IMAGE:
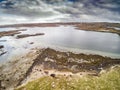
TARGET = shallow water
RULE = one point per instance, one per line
(69, 37)
(117, 28)
(63, 36)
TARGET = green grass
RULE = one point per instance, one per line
(106, 81)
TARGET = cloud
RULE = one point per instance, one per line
(59, 10)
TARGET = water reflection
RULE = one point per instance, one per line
(69, 37)
(64, 36)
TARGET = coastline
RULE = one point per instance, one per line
(42, 62)
(88, 26)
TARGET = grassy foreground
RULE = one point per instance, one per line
(109, 80)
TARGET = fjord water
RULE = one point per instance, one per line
(63, 36)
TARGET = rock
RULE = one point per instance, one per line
(7, 80)
(52, 75)
(2, 53)
(31, 42)
(1, 46)
(46, 72)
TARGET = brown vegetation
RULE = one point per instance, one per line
(10, 33)
(96, 26)
(51, 59)
(16, 72)
(28, 35)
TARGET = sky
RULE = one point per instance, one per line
(45, 11)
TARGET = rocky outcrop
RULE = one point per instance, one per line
(29, 35)
(51, 59)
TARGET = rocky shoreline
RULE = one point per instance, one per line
(50, 62)
(17, 34)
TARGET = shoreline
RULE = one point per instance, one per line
(65, 49)
(49, 62)
(18, 33)
(77, 50)
(83, 51)
(88, 26)
(40, 60)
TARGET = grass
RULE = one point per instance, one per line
(109, 80)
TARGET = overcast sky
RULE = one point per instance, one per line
(28, 11)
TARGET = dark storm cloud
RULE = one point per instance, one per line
(62, 10)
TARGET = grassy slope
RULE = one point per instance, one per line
(107, 81)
